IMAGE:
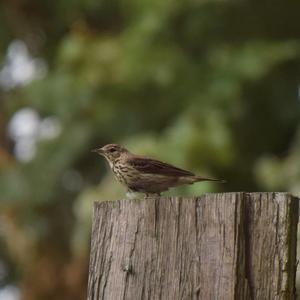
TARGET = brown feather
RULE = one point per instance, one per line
(152, 166)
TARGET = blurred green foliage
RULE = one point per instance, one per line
(211, 86)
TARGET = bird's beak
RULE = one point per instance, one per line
(98, 150)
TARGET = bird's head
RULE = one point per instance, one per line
(111, 152)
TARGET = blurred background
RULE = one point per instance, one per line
(211, 86)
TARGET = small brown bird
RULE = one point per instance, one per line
(143, 174)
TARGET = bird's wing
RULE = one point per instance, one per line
(152, 166)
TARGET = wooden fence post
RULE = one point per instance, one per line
(217, 246)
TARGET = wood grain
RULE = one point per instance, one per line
(217, 246)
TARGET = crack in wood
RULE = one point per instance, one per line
(248, 254)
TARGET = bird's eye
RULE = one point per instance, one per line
(112, 150)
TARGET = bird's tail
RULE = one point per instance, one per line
(200, 178)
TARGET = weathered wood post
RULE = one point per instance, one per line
(217, 246)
